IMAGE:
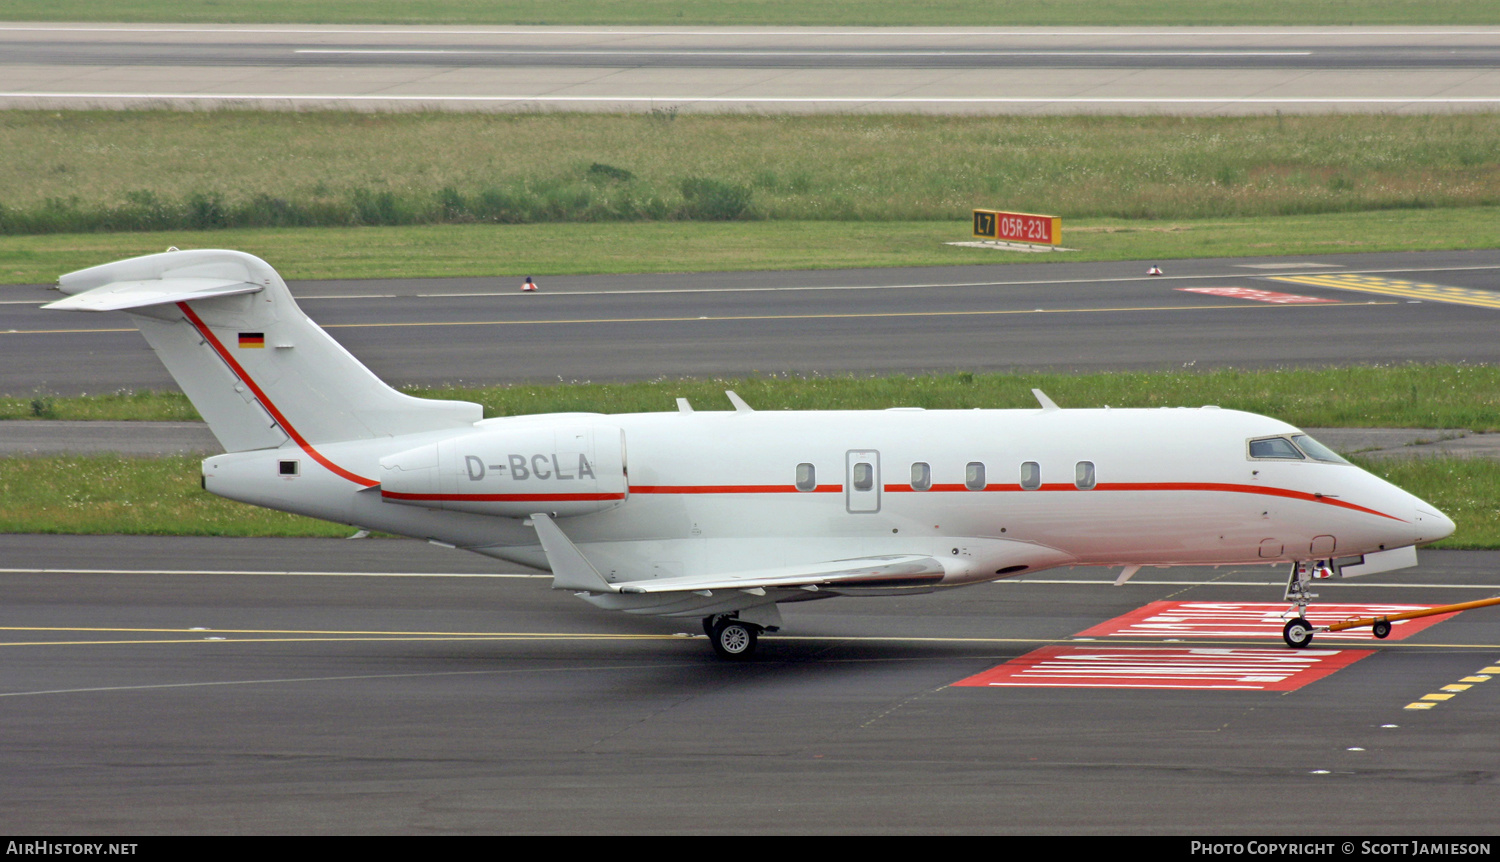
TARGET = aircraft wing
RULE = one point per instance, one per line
(572, 571)
(886, 571)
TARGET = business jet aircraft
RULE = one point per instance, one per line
(727, 515)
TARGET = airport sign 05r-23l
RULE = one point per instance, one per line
(1017, 227)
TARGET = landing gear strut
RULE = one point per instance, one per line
(731, 638)
(1299, 632)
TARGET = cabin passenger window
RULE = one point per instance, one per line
(864, 477)
(974, 476)
(1083, 475)
(1031, 475)
(1274, 447)
(807, 478)
(921, 476)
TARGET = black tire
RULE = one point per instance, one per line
(733, 639)
(1298, 633)
(1381, 629)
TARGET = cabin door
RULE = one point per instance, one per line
(862, 480)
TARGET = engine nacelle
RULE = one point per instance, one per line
(563, 470)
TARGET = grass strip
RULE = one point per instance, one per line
(1465, 489)
(1397, 396)
(84, 171)
(111, 494)
(864, 13)
(514, 251)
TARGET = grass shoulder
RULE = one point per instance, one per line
(1396, 396)
(437, 251)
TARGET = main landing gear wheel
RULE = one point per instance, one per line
(731, 638)
(1298, 633)
(1381, 629)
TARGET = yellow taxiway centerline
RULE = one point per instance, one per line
(750, 317)
(1397, 287)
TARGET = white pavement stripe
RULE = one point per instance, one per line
(853, 33)
(778, 100)
(648, 52)
(264, 573)
(508, 671)
(1280, 583)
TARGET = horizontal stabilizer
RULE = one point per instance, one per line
(261, 373)
(889, 571)
(122, 295)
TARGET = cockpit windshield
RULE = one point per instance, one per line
(1279, 448)
(1297, 447)
(1315, 450)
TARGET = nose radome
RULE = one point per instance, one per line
(1433, 525)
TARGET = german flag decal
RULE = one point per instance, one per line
(252, 339)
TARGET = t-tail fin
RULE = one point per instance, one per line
(260, 371)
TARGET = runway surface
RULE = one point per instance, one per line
(1188, 70)
(240, 686)
(1259, 312)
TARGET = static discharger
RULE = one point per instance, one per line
(1381, 626)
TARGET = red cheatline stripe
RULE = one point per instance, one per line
(500, 498)
(1220, 487)
(1239, 489)
(266, 402)
(730, 489)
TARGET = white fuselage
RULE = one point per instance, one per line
(718, 492)
(731, 513)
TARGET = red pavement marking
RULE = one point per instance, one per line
(1257, 295)
(1217, 668)
(1253, 620)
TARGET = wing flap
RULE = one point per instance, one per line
(886, 571)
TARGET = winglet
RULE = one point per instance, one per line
(571, 570)
(1047, 403)
(739, 403)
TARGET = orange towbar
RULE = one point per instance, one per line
(1381, 626)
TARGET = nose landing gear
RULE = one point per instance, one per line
(1298, 632)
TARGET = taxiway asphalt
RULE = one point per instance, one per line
(1179, 70)
(1058, 316)
(191, 685)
